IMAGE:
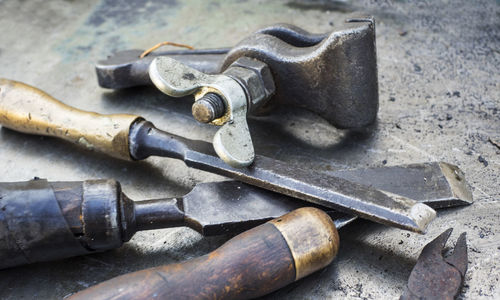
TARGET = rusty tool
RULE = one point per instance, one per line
(333, 75)
(42, 220)
(435, 276)
(252, 264)
(27, 109)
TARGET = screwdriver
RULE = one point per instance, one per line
(252, 264)
(41, 220)
(29, 110)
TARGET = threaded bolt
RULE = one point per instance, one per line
(208, 108)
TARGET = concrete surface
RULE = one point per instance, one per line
(439, 100)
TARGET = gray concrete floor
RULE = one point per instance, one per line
(439, 100)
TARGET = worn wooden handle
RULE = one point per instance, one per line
(27, 109)
(250, 265)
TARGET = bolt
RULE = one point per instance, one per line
(208, 108)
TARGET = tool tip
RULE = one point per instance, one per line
(422, 216)
(458, 184)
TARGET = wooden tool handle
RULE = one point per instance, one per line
(27, 109)
(250, 265)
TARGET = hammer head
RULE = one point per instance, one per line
(333, 75)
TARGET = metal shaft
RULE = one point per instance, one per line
(126, 69)
(329, 191)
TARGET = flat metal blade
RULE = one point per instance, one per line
(281, 177)
(438, 184)
(330, 191)
(231, 206)
(215, 208)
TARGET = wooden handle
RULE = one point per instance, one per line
(250, 265)
(27, 109)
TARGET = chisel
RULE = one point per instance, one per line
(252, 264)
(42, 220)
(29, 110)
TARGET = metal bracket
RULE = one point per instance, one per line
(232, 142)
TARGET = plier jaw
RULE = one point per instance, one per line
(435, 276)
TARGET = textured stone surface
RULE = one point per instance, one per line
(439, 100)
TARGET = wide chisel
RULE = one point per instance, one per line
(41, 220)
(252, 264)
(29, 110)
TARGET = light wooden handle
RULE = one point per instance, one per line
(249, 265)
(27, 109)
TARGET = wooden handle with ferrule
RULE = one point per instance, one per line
(27, 109)
(249, 265)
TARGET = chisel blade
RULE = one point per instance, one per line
(291, 180)
(215, 208)
(232, 206)
(438, 184)
(330, 191)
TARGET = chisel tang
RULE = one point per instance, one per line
(27, 109)
(252, 264)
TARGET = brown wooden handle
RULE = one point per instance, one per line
(249, 265)
(27, 109)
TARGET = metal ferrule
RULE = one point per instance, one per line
(101, 215)
(312, 238)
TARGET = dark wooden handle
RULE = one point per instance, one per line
(250, 265)
(40, 222)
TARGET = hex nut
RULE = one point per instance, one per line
(255, 77)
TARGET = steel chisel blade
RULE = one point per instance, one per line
(316, 187)
(330, 191)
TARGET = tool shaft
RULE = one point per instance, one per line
(329, 191)
(250, 265)
(126, 69)
(158, 213)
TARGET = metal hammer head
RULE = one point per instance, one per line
(333, 75)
